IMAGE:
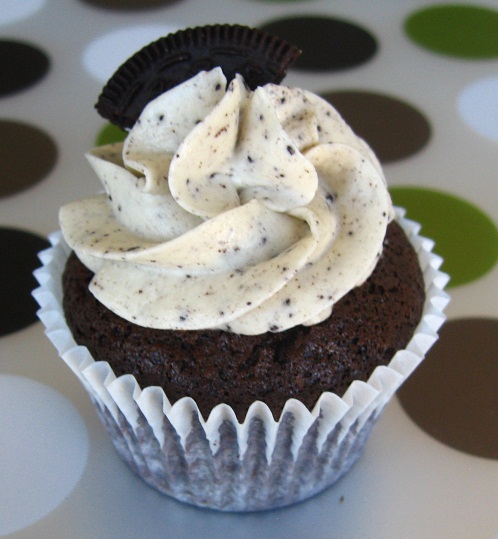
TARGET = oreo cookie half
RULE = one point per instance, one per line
(258, 56)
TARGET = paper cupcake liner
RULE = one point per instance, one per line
(218, 462)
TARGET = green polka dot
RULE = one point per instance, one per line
(465, 237)
(461, 30)
(110, 133)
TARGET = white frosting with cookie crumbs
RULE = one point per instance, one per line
(231, 209)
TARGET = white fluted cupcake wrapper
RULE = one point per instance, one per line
(218, 462)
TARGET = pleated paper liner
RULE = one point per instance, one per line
(219, 462)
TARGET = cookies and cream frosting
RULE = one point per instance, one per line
(231, 209)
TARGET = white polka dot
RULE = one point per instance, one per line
(478, 106)
(105, 54)
(15, 11)
(43, 451)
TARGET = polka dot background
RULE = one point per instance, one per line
(417, 80)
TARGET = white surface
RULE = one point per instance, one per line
(106, 53)
(43, 451)
(15, 11)
(406, 484)
(478, 105)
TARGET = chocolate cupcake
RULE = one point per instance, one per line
(243, 299)
(211, 366)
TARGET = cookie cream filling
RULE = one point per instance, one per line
(231, 209)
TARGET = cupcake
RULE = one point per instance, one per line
(242, 300)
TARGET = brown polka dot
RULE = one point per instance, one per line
(453, 394)
(19, 172)
(18, 251)
(394, 129)
(21, 66)
(328, 44)
(130, 5)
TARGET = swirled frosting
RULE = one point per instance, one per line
(231, 209)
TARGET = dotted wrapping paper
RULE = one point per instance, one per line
(419, 81)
